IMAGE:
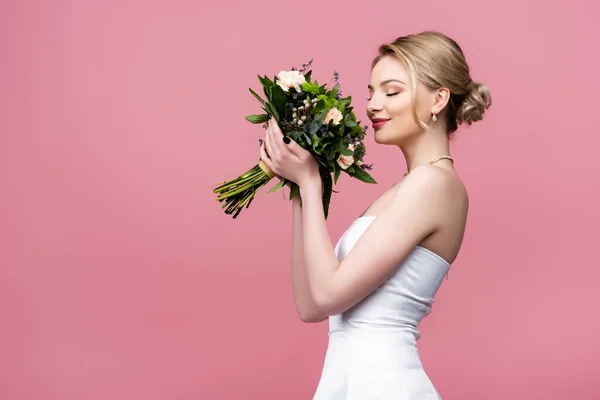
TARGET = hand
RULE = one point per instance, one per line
(287, 160)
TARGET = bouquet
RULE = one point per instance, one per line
(318, 119)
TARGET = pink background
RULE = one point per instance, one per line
(121, 278)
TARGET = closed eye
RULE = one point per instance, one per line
(389, 95)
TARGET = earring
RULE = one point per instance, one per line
(434, 118)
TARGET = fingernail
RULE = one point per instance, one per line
(259, 142)
(270, 116)
(286, 140)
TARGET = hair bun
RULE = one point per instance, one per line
(476, 101)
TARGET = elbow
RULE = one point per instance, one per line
(317, 312)
(311, 316)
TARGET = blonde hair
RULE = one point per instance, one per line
(437, 61)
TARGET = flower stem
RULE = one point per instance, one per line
(239, 192)
(249, 175)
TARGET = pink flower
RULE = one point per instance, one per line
(333, 115)
(345, 161)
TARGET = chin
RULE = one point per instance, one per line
(380, 137)
(389, 136)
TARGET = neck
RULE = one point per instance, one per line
(426, 147)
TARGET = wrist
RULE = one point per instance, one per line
(310, 186)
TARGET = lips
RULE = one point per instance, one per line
(378, 122)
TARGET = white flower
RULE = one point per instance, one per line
(290, 79)
(333, 115)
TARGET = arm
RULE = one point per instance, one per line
(305, 304)
(413, 214)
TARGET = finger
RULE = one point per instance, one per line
(275, 129)
(294, 147)
(265, 158)
(277, 139)
(261, 143)
(270, 145)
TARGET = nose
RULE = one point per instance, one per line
(373, 105)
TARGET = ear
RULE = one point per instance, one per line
(440, 100)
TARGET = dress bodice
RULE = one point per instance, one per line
(372, 351)
(403, 300)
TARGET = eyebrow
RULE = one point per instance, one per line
(386, 82)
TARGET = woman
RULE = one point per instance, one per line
(381, 278)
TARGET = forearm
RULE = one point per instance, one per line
(320, 260)
(305, 304)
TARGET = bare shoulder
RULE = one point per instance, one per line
(432, 184)
(433, 196)
(440, 201)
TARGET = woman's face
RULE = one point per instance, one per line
(390, 103)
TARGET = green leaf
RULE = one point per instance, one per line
(307, 138)
(313, 127)
(336, 172)
(258, 118)
(295, 134)
(334, 92)
(327, 188)
(362, 175)
(268, 81)
(257, 96)
(294, 190)
(271, 110)
(316, 141)
(330, 153)
(322, 162)
(321, 117)
(349, 123)
(347, 152)
(342, 106)
(277, 187)
(307, 76)
(278, 99)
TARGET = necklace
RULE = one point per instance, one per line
(433, 162)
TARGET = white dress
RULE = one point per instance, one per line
(372, 352)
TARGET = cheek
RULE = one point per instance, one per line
(402, 111)
(423, 110)
(400, 106)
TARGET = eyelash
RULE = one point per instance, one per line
(388, 95)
